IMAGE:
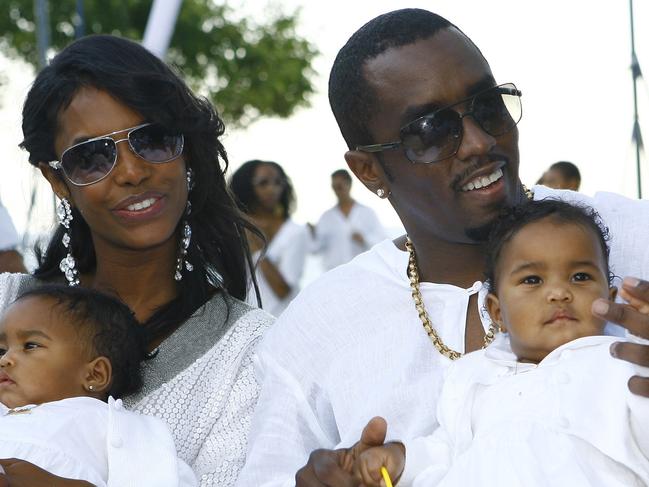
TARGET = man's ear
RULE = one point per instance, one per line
(57, 183)
(493, 307)
(368, 170)
(98, 376)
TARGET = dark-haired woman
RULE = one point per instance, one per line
(136, 161)
(264, 191)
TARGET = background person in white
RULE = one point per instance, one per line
(264, 192)
(348, 228)
(352, 345)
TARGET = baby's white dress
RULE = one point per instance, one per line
(569, 421)
(87, 439)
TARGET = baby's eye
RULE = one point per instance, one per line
(31, 346)
(582, 276)
(531, 280)
(2, 351)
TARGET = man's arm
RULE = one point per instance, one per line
(285, 428)
(11, 261)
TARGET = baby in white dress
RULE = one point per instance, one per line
(65, 355)
(545, 404)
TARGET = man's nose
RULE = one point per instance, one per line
(475, 141)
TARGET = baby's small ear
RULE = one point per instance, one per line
(99, 376)
(493, 307)
(612, 293)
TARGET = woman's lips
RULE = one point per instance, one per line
(140, 208)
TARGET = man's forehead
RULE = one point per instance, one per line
(430, 72)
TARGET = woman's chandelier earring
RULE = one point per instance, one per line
(68, 264)
(187, 233)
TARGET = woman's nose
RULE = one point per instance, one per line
(129, 168)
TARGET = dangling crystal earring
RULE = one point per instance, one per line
(68, 264)
(187, 233)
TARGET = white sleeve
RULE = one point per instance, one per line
(639, 418)
(318, 241)
(290, 260)
(225, 436)
(141, 451)
(8, 236)
(429, 458)
(285, 429)
(373, 231)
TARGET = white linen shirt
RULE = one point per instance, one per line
(568, 421)
(287, 251)
(333, 235)
(87, 439)
(352, 347)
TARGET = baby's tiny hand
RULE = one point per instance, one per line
(367, 467)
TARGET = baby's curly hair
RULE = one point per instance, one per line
(109, 326)
(513, 219)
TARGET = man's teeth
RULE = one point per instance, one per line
(482, 181)
(141, 205)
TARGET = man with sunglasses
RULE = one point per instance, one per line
(429, 128)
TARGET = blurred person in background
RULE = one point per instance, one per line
(348, 228)
(264, 192)
(10, 259)
(561, 175)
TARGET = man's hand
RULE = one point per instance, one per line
(333, 468)
(367, 468)
(634, 316)
(19, 473)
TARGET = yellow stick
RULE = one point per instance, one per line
(386, 477)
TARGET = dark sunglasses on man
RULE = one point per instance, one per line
(438, 135)
(90, 161)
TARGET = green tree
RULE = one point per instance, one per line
(248, 70)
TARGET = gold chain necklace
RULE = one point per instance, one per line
(413, 274)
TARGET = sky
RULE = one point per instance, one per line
(570, 58)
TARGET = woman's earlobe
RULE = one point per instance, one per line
(57, 182)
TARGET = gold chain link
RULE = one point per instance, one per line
(413, 274)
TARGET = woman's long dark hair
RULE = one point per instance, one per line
(139, 80)
(244, 191)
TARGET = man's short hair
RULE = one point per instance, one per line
(350, 96)
(568, 170)
(342, 173)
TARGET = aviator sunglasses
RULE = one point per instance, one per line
(438, 135)
(90, 161)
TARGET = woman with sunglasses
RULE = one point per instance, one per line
(263, 191)
(136, 162)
